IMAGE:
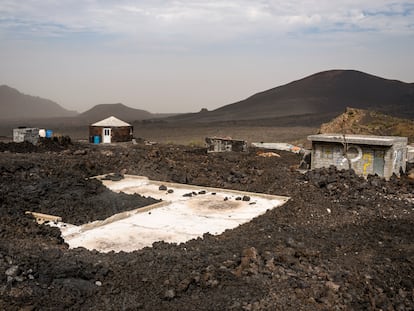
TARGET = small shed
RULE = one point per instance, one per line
(223, 144)
(29, 134)
(110, 130)
(365, 154)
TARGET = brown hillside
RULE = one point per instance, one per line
(325, 92)
(16, 105)
(119, 110)
(359, 121)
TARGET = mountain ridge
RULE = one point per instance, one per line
(326, 91)
(119, 110)
(16, 105)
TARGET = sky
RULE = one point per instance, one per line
(181, 56)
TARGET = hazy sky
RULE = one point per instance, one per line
(181, 56)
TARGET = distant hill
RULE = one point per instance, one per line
(360, 121)
(325, 92)
(125, 113)
(100, 112)
(15, 105)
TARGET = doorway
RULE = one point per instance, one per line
(379, 162)
(106, 136)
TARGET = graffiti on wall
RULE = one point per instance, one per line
(354, 155)
(398, 159)
(327, 152)
(367, 160)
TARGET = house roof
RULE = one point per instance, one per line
(359, 139)
(111, 121)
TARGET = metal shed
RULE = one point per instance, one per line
(365, 154)
(110, 130)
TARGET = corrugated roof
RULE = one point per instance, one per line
(111, 121)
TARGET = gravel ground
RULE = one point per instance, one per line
(341, 242)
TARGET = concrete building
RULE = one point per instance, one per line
(29, 134)
(365, 154)
(110, 130)
(410, 153)
(219, 144)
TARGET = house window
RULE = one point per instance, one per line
(327, 152)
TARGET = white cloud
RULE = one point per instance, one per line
(190, 18)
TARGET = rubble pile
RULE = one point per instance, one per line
(349, 190)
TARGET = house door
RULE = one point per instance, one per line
(106, 135)
(379, 162)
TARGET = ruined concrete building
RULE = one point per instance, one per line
(365, 154)
(223, 144)
(29, 134)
